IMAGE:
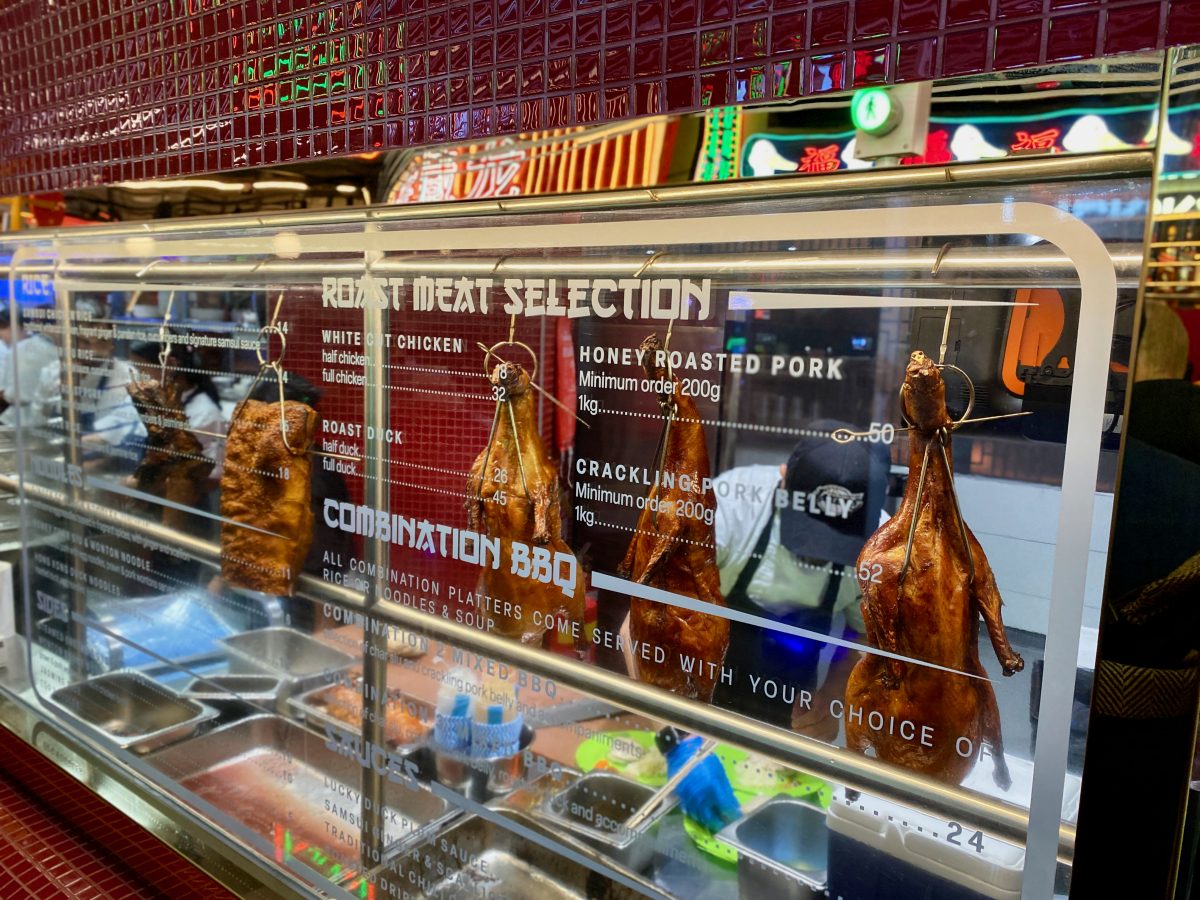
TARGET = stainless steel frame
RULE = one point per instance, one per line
(1004, 820)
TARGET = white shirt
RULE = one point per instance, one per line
(20, 379)
(782, 582)
(102, 393)
(205, 416)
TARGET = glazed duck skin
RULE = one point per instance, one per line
(500, 507)
(269, 487)
(173, 466)
(677, 553)
(932, 615)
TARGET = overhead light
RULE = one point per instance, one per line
(1089, 134)
(346, 189)
(280, 186)
(210, 184)
(969, 145)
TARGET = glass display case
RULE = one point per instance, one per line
(415, 550)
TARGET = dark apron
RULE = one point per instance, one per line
(766, 654)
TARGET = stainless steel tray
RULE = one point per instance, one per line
(307, 708)
(237, 693)
(136, 712)
(783, 850)
(478, 858)
(595, 807)
(301, 661)
(269, 773)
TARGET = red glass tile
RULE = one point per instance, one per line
(919, 15)
(870, 66)
(649, 16)
(587, 30)
(681, 13)
(715, 46)
(750, 40)
(648, 99)
(712, 11)
(830, 25)
(681, 93)
(531, 115)
(533, 79)
(559, 34)
(714, 89)
(872, 18)
(482, 15)
(587, 69)
(483, 52)
(648, 58)
(618, 64)
(558, 111)
(533, 42)
(749, 84)
(1183, 22)
(616, 103)
(618, 23)
(507, 47)
(959, 12)
(533, 9)
(559, 74)
(506, 83)
(964, 51)
(1018, 45)
(507, 12)
(587, 107)
(787, 33)
(506, 117)
(826, 72)
(786, 81)
(681, 53)
(1072, 37)
(1132, 28)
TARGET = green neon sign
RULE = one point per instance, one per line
(872, 110)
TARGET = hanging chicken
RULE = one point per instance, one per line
(676, 551)
(929, 610)
(514, 495)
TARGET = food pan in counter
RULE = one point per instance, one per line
(281, 782)
(136, 712)
(340, 705)
(477, 857)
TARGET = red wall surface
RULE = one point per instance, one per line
(94, 91)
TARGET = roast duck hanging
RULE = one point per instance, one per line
(674, 549)
(928, 584)
(514, 495)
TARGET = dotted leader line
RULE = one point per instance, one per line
(183, 454)
(750, 426)
(846, 573)
(654, 534)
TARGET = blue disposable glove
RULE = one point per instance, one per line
(705, 793)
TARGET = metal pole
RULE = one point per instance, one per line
(377, 496)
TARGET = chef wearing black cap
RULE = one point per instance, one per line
(787, 541)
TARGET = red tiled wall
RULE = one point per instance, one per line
(58, 839)
(95, 91)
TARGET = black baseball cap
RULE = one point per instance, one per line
(839, 489)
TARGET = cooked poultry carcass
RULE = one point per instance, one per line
(266, 490)
(515, 496)
(931, 613)
(677, 552)
(173, 467)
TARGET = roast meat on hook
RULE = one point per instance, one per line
(174, 466)
(675, 549)
(929, 611)
(514, 495)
